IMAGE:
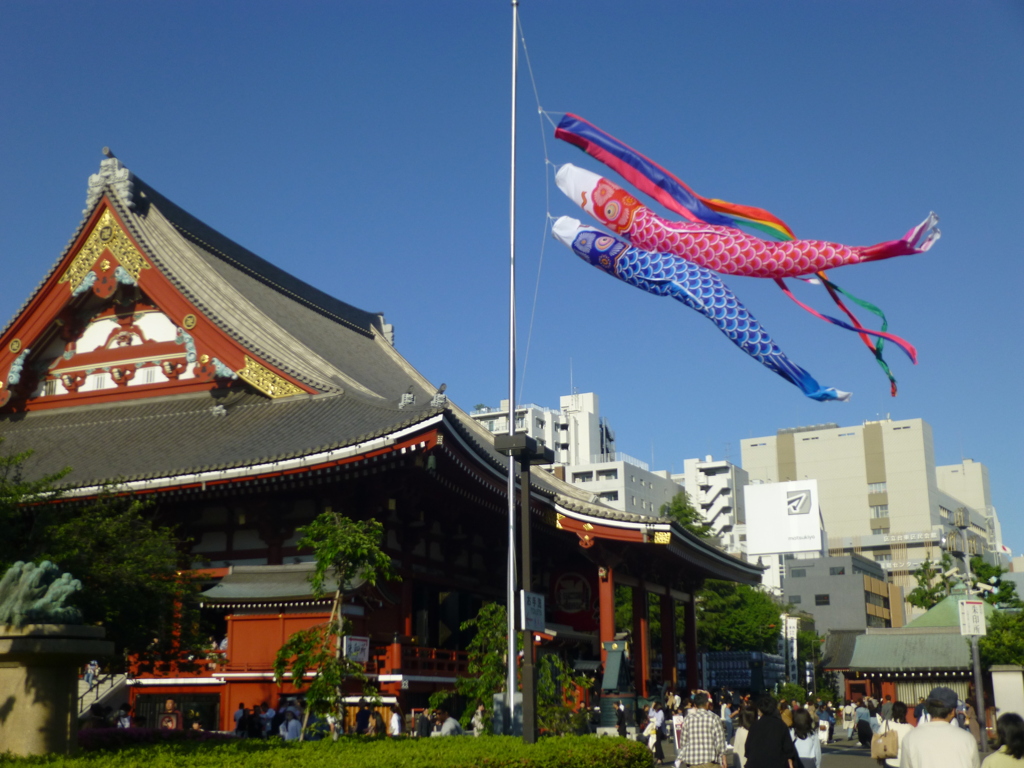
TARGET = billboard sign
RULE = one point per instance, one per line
(783, 517)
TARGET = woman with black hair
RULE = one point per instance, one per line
(902, 727)
(1010, 728)
(744, 722)
(805, 739)
(769, 744)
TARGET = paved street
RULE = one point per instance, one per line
(841, 755)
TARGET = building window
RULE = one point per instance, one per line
(608, 474)
(944, 513)
(880, 510)
(610, 496)
(837, 570)
(876, 487)
(882, 531)
(798, 573)
(883, 557)
(795, 599)
(582, 477)
(822, 600)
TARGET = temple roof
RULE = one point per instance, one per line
(342, 353)
(185, 434)
(323, 342)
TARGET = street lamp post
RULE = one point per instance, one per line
(525, 450)
(961, 549)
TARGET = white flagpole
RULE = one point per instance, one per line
(510, 685)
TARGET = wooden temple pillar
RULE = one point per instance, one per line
(669, 670)
(690, 640)
(641, 641)
(606, 608)
(407, 607)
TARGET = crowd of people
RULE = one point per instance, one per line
(714, 730)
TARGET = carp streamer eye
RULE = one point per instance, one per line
(611, 210)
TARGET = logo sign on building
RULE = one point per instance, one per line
(531, 611)
(356, 649)
(783, 517)
(972, 617)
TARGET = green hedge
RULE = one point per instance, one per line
(452, 752)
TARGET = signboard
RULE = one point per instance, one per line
(972, 617)
(356, 649)
(531, 611)
(783, 517)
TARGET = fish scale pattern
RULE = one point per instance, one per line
(700, 289)
(732, 251)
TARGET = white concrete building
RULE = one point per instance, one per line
(880, 492)
(585, 454)
(715, 489)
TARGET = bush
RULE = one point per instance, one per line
(181, 751)
(93, 739)
(355, 752)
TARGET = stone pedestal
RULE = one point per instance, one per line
(39, 684)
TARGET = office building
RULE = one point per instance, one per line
(880, 492)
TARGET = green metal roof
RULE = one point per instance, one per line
(946, 613)
(911, 651)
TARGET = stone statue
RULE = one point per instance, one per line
(35, 594)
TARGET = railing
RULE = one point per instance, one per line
(604, 458)
(94, 693)
(417, 660)
(182, 664)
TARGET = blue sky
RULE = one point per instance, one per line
(364, 147)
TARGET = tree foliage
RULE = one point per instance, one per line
(1005, 594)
(932, 587)
(737, 617)
(487, 658)
(487, 654)
(1003, 642)
(132, 574)
(129, 567)
(25, 508)
(682, 511)
(342, 550)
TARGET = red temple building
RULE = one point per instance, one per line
(158, 354)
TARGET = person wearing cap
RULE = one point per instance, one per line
(935, 743)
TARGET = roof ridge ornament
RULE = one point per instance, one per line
(116, 176)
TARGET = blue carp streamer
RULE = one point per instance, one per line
(695, 286)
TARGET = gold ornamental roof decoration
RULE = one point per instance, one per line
(266, 381)
(106, 235)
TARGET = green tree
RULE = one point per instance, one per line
(487, 674)
(133, 573)
(26, 508)
(1003, 642)
(487, 658)
(932, 587)
(129, 567)
(737, 617)
(343, 549)
(682, 511)
(1005, 594)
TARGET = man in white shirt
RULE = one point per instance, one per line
(935, 743)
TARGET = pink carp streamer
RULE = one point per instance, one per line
(724, 249)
